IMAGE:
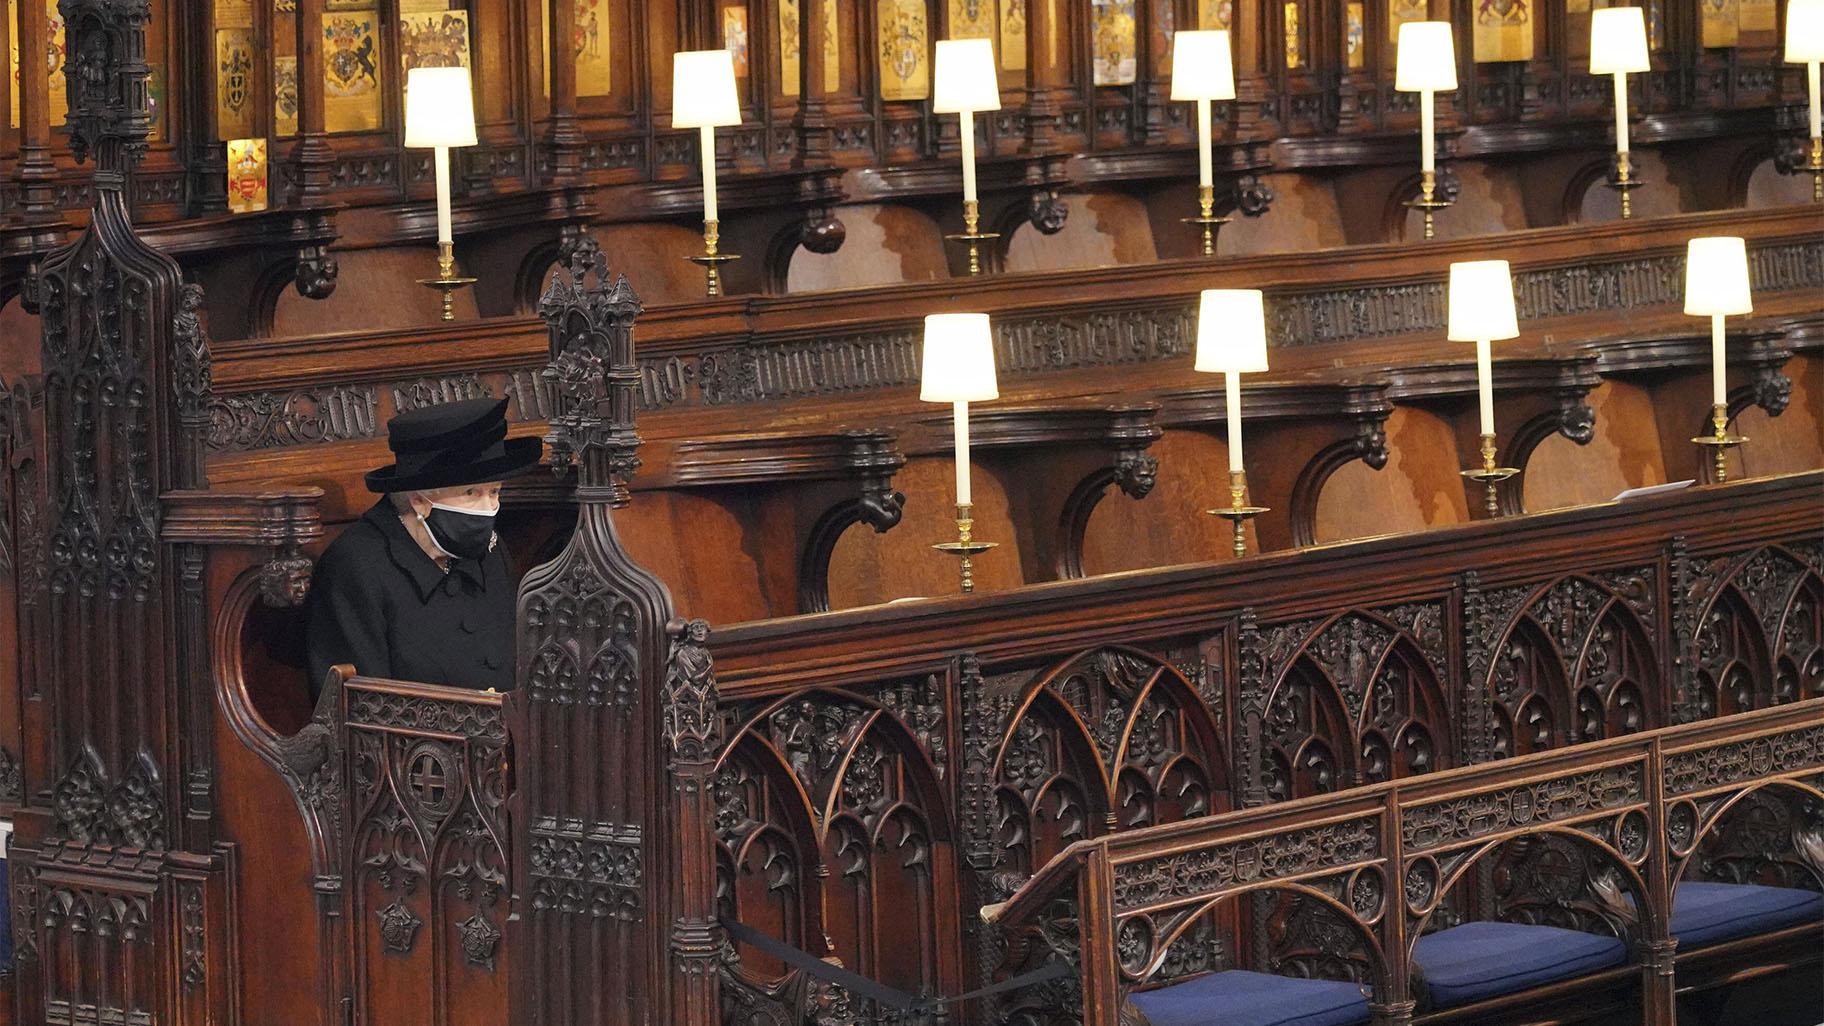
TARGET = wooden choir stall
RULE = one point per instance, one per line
(1402, 745)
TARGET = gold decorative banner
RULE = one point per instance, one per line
(904, 45)
(424, 7)
(436, 39)
(1503, 31)
(12, 61)
(1115, 43)
(233, 14)
(233, 83)
(592, 47)
(285, 96)
(1295, 37)
(246, 175)
(1355, 35)
(1215, 14)
(971, 19)
(158, 97)
(832, 47)
(1163, 22)
(1013, 34)
(734, 37)
(1399, 12)
(1756, 16)
(1656, 24)
(351, 71)
(59, 105)
(1720, 19)
(790, 41)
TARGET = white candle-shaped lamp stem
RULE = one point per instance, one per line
(1482, 311)
(1428, 132)
(441, 157)
(1485, 385)
(958, 368)
(1621, 112)
(1231, 394)
(1426, 64)
(1618, 47)
(707, 142)
(959, 415)
(1811, 89)
(1232, 339)
(1206, 177)
(966, 136)
(1716, 286)
(1719, 378)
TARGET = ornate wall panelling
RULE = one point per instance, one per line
(426, 856)
(1336, 421)
(1576, 659)
(1081, 323)
(1336, 701)
(19, 520)
(1584, 838)
(1543, 396)
(834, 832)
(1677, 368)
(1749, 624)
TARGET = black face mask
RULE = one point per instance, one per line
(461, 533)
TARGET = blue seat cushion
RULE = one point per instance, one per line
(1483, 960)
(1241, 998)
(1705, 913)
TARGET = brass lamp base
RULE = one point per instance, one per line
(1428, 201)
(1720, 442)
(1491, 476)
(1206, 219)
(710, 260)
(1238, 512)
(965, 547)
(447, 280)
(974, 237)
(1624, 182)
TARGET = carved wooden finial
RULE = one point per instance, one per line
(106, 74)
(593, 376)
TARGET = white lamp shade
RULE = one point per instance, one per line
(1804, 31)
(1232, 331)
(959, 359)
(963, 77)
(439, 108)
(1481, 302)
(1716, 277)
(1203, 68)
(1427, 59)
(1618, 40)
(703, 89)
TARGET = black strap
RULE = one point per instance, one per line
(875, 991)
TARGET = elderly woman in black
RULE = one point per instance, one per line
(418, 588)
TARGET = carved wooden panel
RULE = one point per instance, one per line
(426, 861)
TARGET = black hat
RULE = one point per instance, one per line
(450, 444)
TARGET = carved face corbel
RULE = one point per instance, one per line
(285, 578)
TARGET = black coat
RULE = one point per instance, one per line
(379, 602)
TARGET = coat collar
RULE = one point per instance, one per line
(410, 557)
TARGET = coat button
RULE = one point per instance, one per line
(492, 662)
(467, 625)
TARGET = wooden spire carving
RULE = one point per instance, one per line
(612, 870)
(114, 854)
